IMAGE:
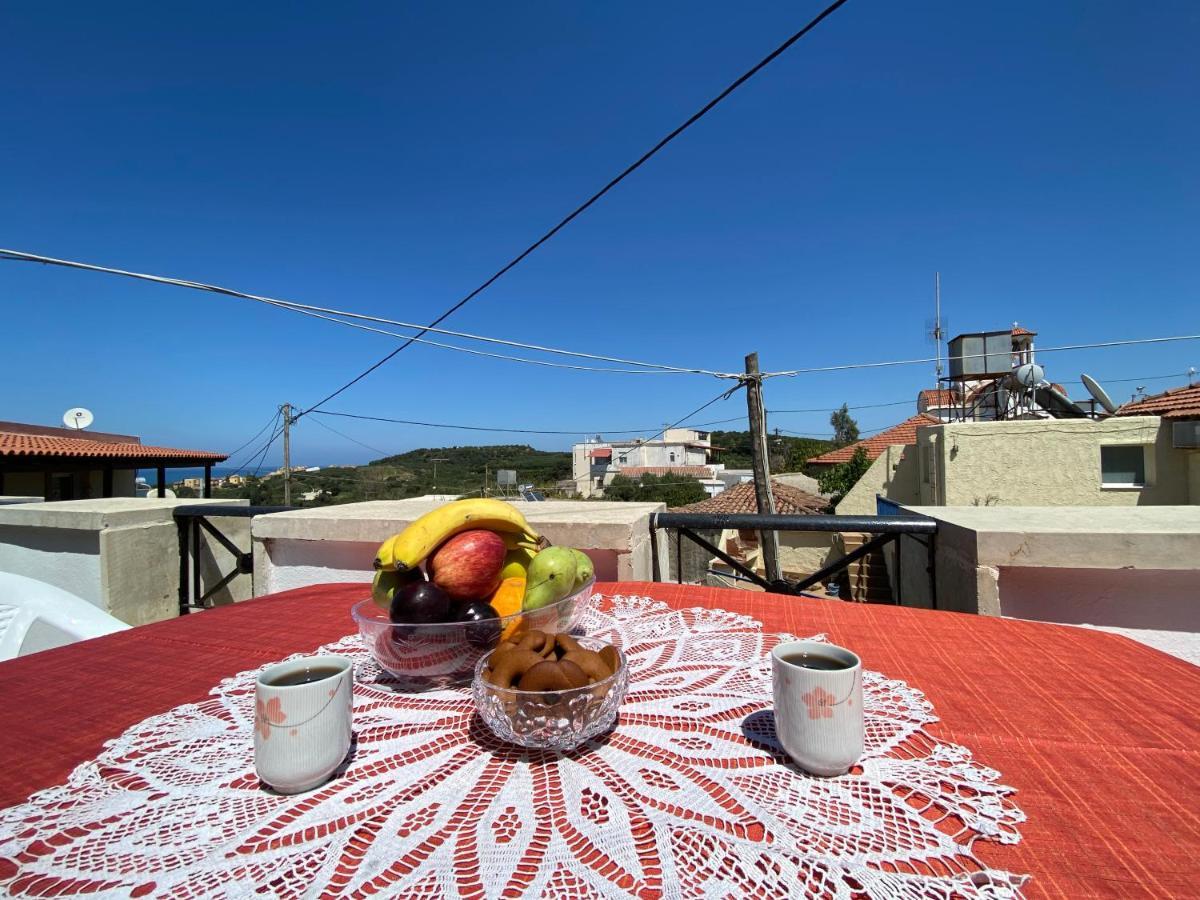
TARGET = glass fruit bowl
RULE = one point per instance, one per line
(444, 654)
(552, 720)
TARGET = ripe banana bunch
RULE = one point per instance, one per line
(406, 550)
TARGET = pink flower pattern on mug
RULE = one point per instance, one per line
(268, 714)
(820, 703)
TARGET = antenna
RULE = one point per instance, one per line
(1098, 393)
(78, 418)
(937, 314)
(935, 328)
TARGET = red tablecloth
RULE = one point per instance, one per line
(1099, 735)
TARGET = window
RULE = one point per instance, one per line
(1123, 465)
(672, 457)
(623, 458)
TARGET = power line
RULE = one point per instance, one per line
(270, 422)
(790, 373)
(352, 440)
(817, 409)
(574, 431)
(328, 314)
(255, 451)
(695, 117)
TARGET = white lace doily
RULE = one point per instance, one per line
(690, 796)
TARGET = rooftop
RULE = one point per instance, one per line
(32, 442)
(904, 433)
(688, 471)
(1177, 403)
(741, 499)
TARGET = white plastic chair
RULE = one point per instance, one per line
(37, 616)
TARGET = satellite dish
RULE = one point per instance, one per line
(1030, 375)
(78, 418)
(1098, 393)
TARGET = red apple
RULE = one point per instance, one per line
(467, 566)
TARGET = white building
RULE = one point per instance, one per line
(682, 451)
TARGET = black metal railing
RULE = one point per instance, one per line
(887, 530)
(191, 520)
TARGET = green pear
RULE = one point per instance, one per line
(383, 587)
(551, 577)
(584, 569)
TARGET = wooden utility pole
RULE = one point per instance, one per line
(286, 409)
(768, 540)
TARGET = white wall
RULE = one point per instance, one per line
(338, 543)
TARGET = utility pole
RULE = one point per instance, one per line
(485, 479)
(768, 540)
(286, 409)
(435, 460)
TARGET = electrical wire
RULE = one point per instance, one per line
(394, 421)
(691, 120)
(255, 452)
(270, 422)
(790, 373)
(352, 440)
(328, 314)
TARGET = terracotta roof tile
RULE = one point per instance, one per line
(935, 397)
(904, 433)
(690, 471)
(741, 499)
(1177, 403)
(39, 445)
(1018, 331)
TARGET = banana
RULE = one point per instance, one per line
(411, 546)
(385, 556)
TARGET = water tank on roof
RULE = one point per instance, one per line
(981, 355)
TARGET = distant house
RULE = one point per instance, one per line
(800, 552)
(903, 433)
(68, 464)
(680, 451)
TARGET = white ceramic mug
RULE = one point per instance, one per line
(302, 732)
(818, 712)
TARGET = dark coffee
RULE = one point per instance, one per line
(815, 661)
(304, 676)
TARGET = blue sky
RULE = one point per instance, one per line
(1044, 157)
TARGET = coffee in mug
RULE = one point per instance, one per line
(302, 721)
(817, 689)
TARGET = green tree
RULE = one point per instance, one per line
(845, 429)
(838, 480)
(673, 490)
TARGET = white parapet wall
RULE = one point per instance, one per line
(338, 543)
(1137, 567)
(120, 554)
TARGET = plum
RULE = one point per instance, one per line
(484, 629)
(419, 603)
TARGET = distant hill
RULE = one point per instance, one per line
(461, 470)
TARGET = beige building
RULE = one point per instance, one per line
(1148, 454)
(1119, 461)
(683, 451)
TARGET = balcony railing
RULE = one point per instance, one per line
(887, 530)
